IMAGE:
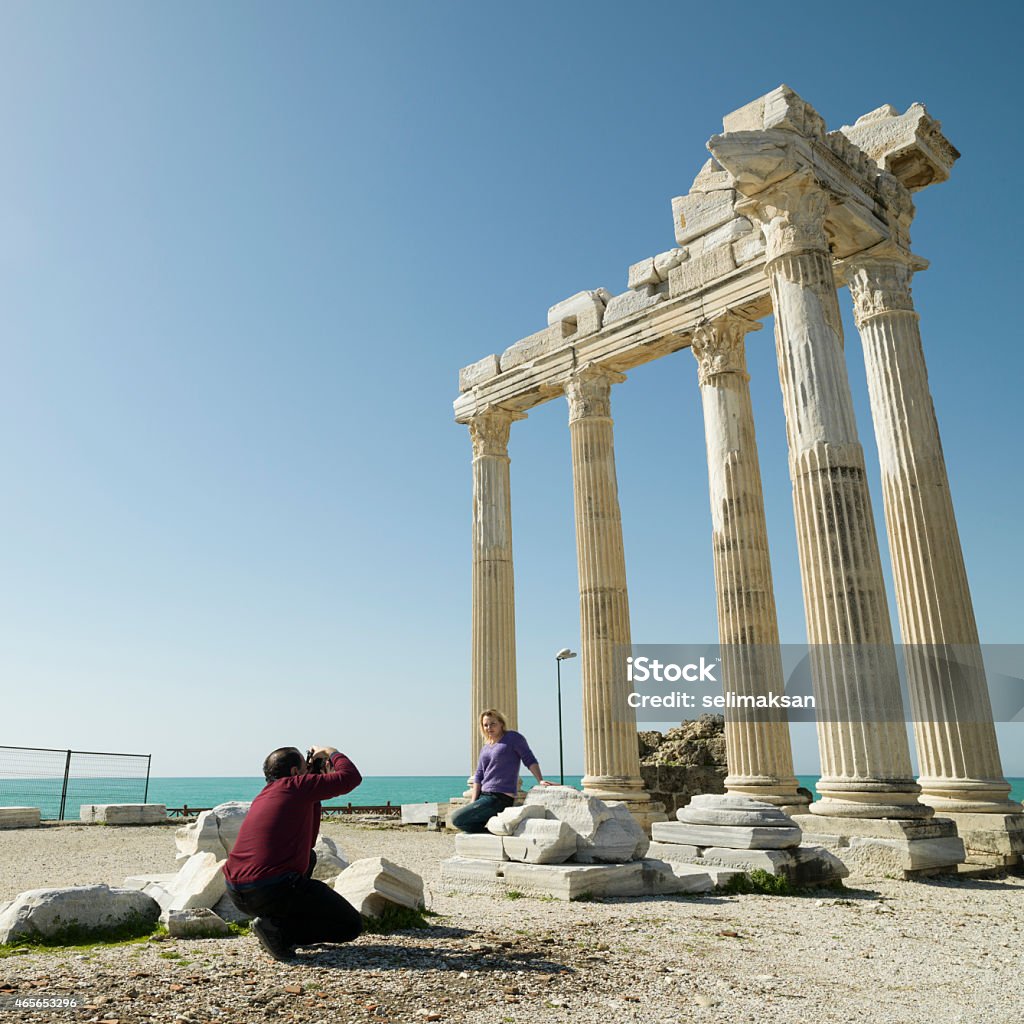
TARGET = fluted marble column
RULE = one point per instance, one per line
(757, 741)
(865, 756)
(611, 756)
(957, 747)
(494, 622)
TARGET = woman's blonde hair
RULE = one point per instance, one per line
(492, 713)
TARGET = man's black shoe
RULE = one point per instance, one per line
(270, 938)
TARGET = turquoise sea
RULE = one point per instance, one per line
(208, 792)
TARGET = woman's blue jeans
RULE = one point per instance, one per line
(474, 817)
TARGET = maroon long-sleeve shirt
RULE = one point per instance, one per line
(282, 825)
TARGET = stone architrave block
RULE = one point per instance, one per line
(480, 846)
(697, 214)
(732, 837)
(696, 273)
(749, 248)
(479, 372)
(641, 275)
(775, 862)
(541, 841)
(739, 227)
(781, 108)
(196, 923)
(74, 914)
(586, 304)
(507, 821)
(201, 836)
(229, 817)
(582, 813)
(199, 883)
(716, 809)
(628, 303)
(419, 814)
(330, 861)
(526, 350)
(19, 817)
(123, 814)
(374, 883)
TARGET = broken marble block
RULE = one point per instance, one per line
(541, 841)
(374, 883)
(330, 861)
(201, 836)
(230, 816)
(480, 846)
(122, 814)
(199, 883)
(196, 923)
(582, 813)
(507, 821)
(618, 840)
(77, 914)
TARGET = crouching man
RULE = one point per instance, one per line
(269, 871)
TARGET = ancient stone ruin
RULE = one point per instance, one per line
(782, 214)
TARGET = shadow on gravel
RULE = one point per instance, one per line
(977, 884)
(374, 957)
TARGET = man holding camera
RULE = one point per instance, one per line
(269, 870)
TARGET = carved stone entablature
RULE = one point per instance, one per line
(489, 432)
(589, 392)
(718, 346)
(791, 214)
(880, 282)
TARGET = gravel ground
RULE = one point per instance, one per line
(880, 951)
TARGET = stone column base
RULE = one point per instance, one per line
(887, 847)
(992, 839)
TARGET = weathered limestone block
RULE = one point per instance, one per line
(478, 372)
(909, 145)
(75, 914)
(642, 275)
(199, 883)
(201, 836)
(732, 837)
(420, 814)
(541, 841)
(699, 213)
(161, 878)
(738, 227)
(749, 248)
(712, 177)
(196, 923)
(373, 883)
(716, 809)
(527, 349)
(573, 881)
(997, 834)
(681, 852)
(781, 108)
(902, 857)
(473, 875)
(632, 302)
(666, 261)
(582, 813)
(612, 844)
(19, 817)
(882, 828)
(585, 305)
(817, 866)
(482, 846)
(664, 877)
(775, 862)
(621, 814)
(507, 821)
(230, 816)
(123, 814)
(330, 861)
(696, 273)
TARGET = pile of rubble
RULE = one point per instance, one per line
(193, 901)
(687, 760)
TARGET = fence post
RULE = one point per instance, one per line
(64, 788)
(149, 765)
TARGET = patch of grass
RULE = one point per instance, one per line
(513, 894)
(240, 928)
(169, 954)
(758, 881)
(583, 897)
(396, 919)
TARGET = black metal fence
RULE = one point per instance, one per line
(58, 782)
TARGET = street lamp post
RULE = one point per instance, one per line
(559, 658)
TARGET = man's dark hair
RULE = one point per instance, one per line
(279, 763)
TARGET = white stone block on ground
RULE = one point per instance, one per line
(374, 883)
(621, 814)
(197, 923)
(466, 874)
(199, 883)
(613, 843)
(330, 861)
(731, 836)
(200, 836)
(665, 877)
(19, 817)
(230, 816)
(74, 914)
(582, 813)
(123, 814)
(722, 809)
(573, 881)
(541, 841)
(141, 881)
(481, 846)
(673, 851)
(507, 821)
(867, 855)
(817, 866)
(775, 862)
(419, 814)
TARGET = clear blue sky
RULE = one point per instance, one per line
(244, 249)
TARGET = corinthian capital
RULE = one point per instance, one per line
(489, 431)
(880, 281)
(589, 392)
(718, 346)
(792, 215)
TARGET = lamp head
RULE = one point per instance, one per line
(565, 653)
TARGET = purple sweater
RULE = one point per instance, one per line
(498, 770)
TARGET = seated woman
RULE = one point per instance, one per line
(496, 781)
